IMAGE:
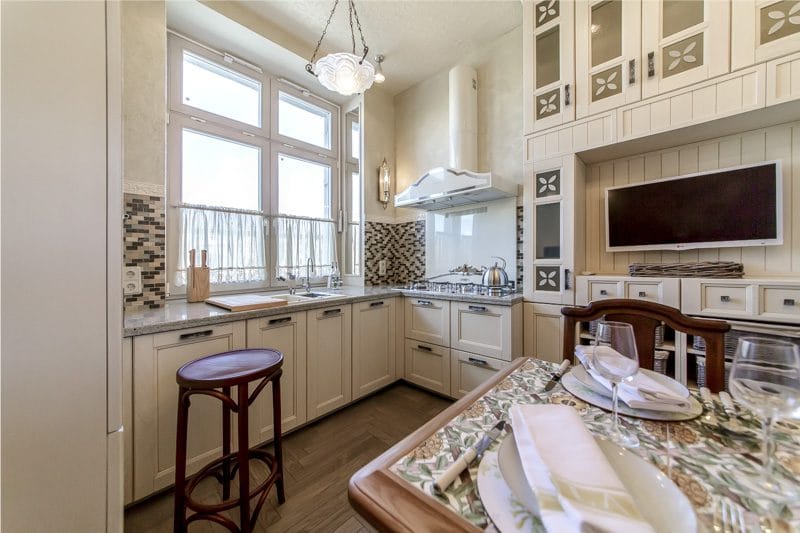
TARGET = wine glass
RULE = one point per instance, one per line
(765, 377)
(615, 358)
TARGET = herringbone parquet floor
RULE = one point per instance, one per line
(318, 462)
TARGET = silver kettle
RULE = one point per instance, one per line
(496, 276)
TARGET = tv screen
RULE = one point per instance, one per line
(737, 206)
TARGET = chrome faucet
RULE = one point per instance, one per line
(309, 265)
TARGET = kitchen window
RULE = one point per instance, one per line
(352, 195)
(253, 173)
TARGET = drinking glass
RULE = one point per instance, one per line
(618, 363)
(765, 377)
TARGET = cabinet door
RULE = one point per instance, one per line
(764, 30)
(428, 365)
(481, 328)
(546, 327)
(548, 64)
(428, 320)
(683, 42)
(468, 371)
(156, 359)
(374, 342)
(287, 334)
(329, 359)
(608, 66)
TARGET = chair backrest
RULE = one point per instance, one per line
(645, 317)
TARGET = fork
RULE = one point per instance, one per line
(729, 517)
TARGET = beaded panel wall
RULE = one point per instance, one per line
(401, 245)
(145, 244)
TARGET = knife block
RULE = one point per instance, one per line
(197, 284)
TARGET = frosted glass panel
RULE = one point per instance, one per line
(548, 231)
(683, 55)
(548, 65)
(779, 20)
(680, 14)
(606, 32)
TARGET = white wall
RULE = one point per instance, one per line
(53, 219)
(778, 142)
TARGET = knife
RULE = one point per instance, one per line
(557, 375)
(463, 461)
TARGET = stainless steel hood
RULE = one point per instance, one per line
(455, 185)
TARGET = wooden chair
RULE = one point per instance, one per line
(645, 317)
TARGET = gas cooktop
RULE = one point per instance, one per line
(451, 287)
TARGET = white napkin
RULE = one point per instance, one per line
(638, 392)
(575, 486)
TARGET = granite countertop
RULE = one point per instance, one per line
(178, 314)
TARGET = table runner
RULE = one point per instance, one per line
(706, 462)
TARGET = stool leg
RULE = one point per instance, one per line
(276, 415)
(226, 446)
(180, 461)
(244, 466)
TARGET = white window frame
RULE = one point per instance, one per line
(279, 86)
(352, 165)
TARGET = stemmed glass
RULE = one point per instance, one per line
(765, 377)
(619, 362)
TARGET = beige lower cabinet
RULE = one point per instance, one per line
(329, 360)
(469, 370)
(287, 334)
(127, 418)
(543, 331)
(156, 358)
(486, 329)
(428, 365)
(428, 320)
(374, 343)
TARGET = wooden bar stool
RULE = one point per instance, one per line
(214, 376)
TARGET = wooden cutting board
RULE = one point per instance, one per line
(245, 302)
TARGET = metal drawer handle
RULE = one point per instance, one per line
(376, 304)
(478, 361)
(478, 308)
(603, 292)
(642, 294)
(788, 301)
(424, 302)
(651, 64)
(331, 312)
(424, 348)
(725, 298)
(631, 72)
(280, 320)
(566, 95)
(196, 334)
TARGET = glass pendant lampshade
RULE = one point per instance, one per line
(345, 73)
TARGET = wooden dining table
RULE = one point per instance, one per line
(704, 457)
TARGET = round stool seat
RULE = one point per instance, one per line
(229, 369)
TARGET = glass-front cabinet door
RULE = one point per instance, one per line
(765, 29)
(548, 63)
(608, 66)
(683, 42)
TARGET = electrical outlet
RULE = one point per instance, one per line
(382, 267)
(131, 280)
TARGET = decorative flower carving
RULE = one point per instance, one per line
(780, 18)
(685, 56)
(608, 83)
(548, 104)
(547, 278)
(547, 184)
(547, 10)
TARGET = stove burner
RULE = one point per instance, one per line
(445, 287)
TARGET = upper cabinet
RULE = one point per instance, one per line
(548, 63)
(683, 42)
(764, 30)
(607, 62)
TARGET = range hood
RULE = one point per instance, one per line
(455, 185)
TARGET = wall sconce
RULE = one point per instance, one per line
(384, 183)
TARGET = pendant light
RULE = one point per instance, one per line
(344, 72)
(379, 76)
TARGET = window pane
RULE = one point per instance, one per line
(220, 172)
(355, 198)
(548, 62)
(355, 141)
(215, 89)
(304, 188)
(303, 121)
(606, 32)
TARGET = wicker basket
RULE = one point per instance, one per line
(707, 269)
(701, 371)
(659, 340)
(660, 359)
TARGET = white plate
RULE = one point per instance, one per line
(578, 382)
(506, 495)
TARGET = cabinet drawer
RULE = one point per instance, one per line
(664, 291)
(724, 298)
(779, 302)
(601, 290)
(468, 371)
(428, 365)
(482, 329)
(428, 320)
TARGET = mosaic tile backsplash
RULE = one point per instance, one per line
(520, 230)
(401, 245)
(144, 246)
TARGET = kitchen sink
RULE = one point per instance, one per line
(305, 297)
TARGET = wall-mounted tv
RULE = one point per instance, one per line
(737, 206)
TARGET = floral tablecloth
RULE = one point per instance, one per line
(702, 456)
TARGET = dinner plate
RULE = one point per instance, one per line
(578, 382)
(511, 503)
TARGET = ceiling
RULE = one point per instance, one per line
(418, 38)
